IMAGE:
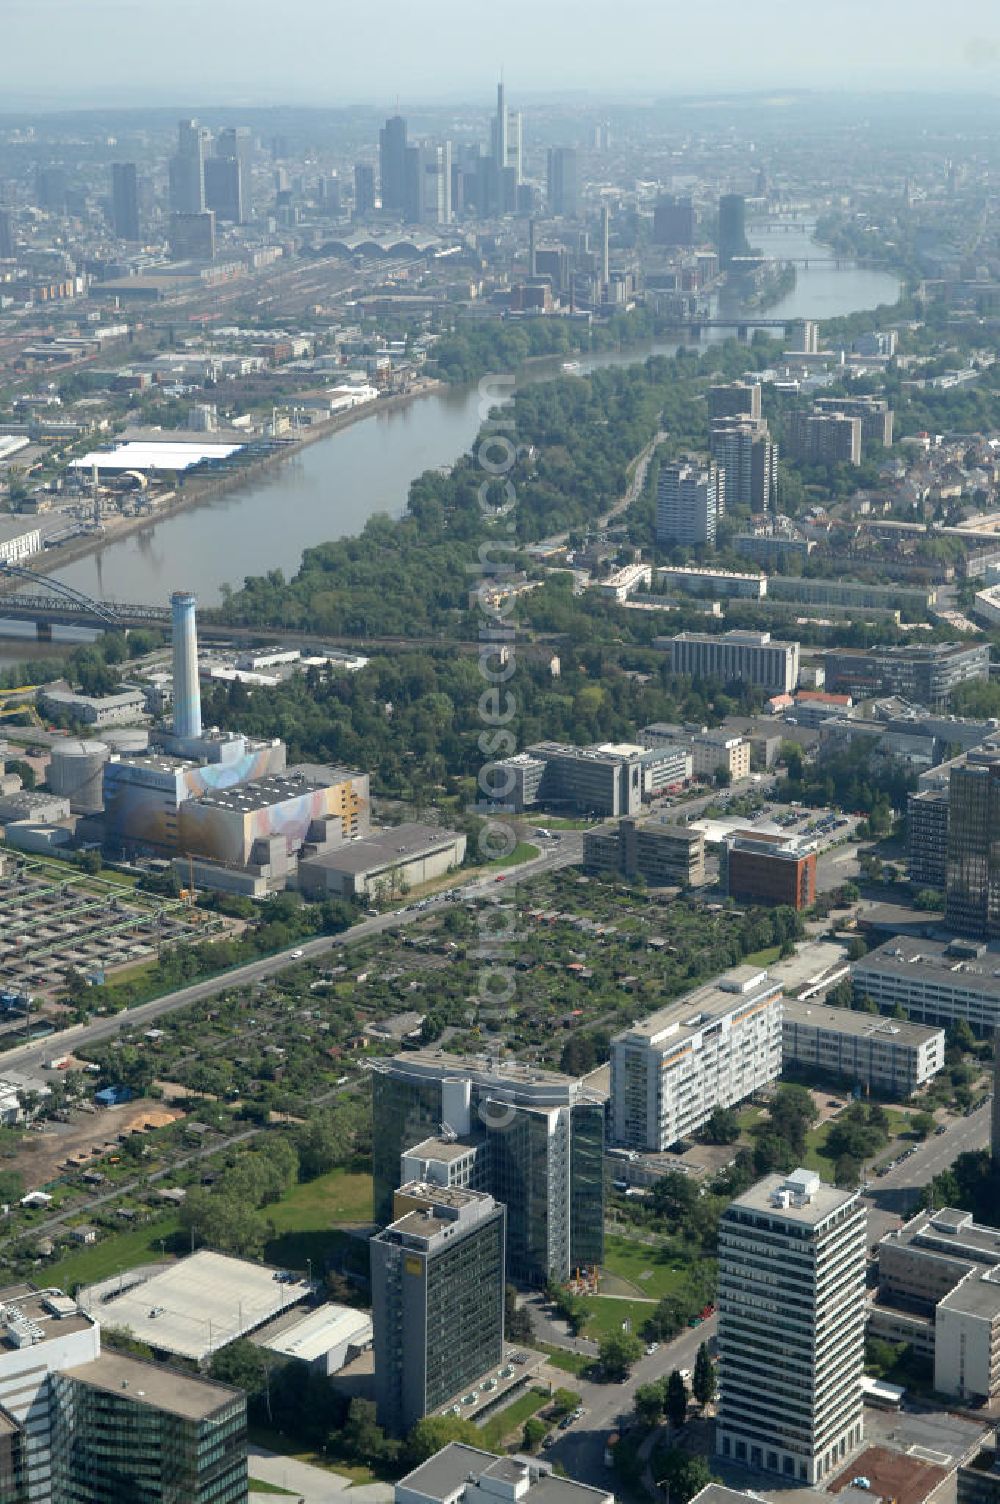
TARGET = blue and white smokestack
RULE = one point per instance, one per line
(187, 689)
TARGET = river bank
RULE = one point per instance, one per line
(204, 491)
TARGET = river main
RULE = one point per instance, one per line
(331, 488)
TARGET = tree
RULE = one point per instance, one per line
(649, 1403)
(618, 1351)
(675, 1401)
(535, 1432)
(362, 1437)
(703, 1381)
(516, 1319)
(563, 1401)
(434, 1432)
(723, 1126)
(683, 1474)
(922, 1124)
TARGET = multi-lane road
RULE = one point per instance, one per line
(896, 1194)
(30, 1058)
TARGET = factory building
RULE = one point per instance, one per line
(388, 861)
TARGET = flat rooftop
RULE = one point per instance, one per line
(446, 1150)
(194, 1307)
(736, 990)
(481, 1068)
(398, 843)
(976, 1295)
(822, 1203)
(151, 1384)
(968, 963)
(858, 1025)
(50, 1314)
(261, 793)
(953, 1232)
(310, 1335)
(448, 1472)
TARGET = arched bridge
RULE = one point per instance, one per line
(58, 604)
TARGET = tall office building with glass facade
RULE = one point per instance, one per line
(972, 864)
(126, 1429)
(791, 1327)
(437, 1275)
(539, 1142)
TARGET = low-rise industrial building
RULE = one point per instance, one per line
(712, 1048)
(95, 710)
(19, 540)
(756, 866)
(890, 1055)
(655, 850)
(392, 860)
(325, 1338)
(933, 981)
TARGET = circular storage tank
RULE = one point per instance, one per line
(126, 742)
(76, 771)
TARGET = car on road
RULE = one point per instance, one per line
(500, 877)
(297, 953)
(651, 1348)
(566, 1422)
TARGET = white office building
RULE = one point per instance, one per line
(751, 657)
(791, 1327)
(712, 1048)
(690, 500)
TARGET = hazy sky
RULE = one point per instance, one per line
(329, 52)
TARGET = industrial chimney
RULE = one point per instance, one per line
(187, 689)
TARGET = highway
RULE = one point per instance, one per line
(31, 1058)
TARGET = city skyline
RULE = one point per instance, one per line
(244, 57)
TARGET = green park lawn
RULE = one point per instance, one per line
(605, 1315)
(308, 1222)
(511, 1418)
(765, 957)
(652, 1271)
(561, 1357)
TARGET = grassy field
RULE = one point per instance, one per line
(561, 1357)
(123, 1250)
(649, 1270)
(523, 852)
(605, 1316)
(258, 1486)
(765, 957)
(307, 1222)
(511, 1418)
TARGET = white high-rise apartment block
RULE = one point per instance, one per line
(712, 1048)
(791, 1327)
(690, 499)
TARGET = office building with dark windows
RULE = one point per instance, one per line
(127, 1429)
(437, 1274)
(791, 1327)
(538, 1141)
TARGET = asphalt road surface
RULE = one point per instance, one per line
(31, 1058)
(897, 1194)
(580, 1448)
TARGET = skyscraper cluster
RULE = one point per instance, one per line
(430, 182)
